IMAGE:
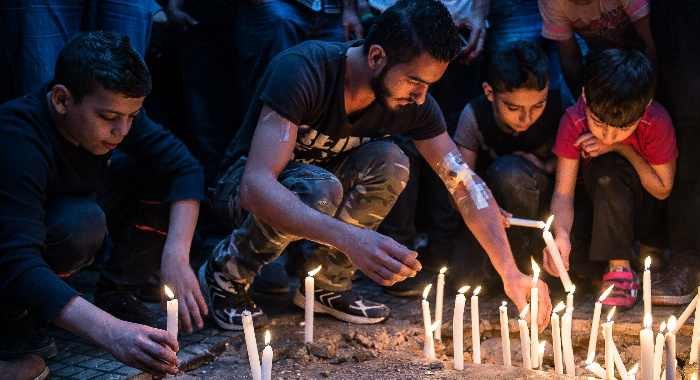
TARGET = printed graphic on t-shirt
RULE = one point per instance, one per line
(314, 147)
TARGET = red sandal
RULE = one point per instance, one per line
(625, 293)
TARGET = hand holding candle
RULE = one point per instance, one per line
(309, 301)
(267, 358)
(476, 334)
(439, 295)
(554, 254)
(172, 310)
(458, 328)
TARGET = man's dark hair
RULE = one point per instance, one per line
(104, 59)
(521, 65)
(411, 27)
(618, 84)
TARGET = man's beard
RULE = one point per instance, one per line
(382, 94)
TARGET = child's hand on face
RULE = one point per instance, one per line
(591, 146)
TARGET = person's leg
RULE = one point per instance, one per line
(131, 18)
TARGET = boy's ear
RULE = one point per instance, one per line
(488, 91)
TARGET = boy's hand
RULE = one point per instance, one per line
(564, 245)
(591, 146)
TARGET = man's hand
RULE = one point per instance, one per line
(177, 16)
(143, 347)
(564, 244)
(177, 274)
(351, 24)
(591, 146)
(381, 258)
(518, 288)
(477, 36)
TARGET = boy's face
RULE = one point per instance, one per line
(518, 109)
(608, 134)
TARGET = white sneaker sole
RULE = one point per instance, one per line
(204, 286)
(320, 308)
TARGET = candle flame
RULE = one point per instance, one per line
(611, 313)
(633, 371)
(443, 270)
(463, 289)
(606, 293)
(168, 293)
(647, 263)
(548, 223)
(526, 310)
(560, 306)
(504, 303)
(662, 327)
(314, 271)
(267, 337)
(477, 290)
(426, 291)
(535, 271)
(540, 348)
(671, 325)
(647, 321)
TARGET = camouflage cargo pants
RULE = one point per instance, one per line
(359, 188)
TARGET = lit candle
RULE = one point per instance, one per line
(458, 328)
(695, 342)
(609, 348)
(619, 364)
(593, 339)
(596, 369)
(570, 300)
(534, 311)
(568, 349)
(309, 301)
(556, 339)
(646, 284)
(476, 336)
(505, 333)
(526, 223)
(171, 307)
(659, 351)
(267, 358)
(428, 344)
(524, 338)
(671, 349)
(251, 345)
(633, 372)
(555, 255)
(439, 294)
(540, 355)
(646, 341)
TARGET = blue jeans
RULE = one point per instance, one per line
(33, 32)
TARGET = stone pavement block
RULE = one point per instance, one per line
(110, 376)
(75, 359)
(85, 349)
(110, 366)
(68, 371)
(93, 363)
(55, 366)
(86, 374)
(127, 371)
(215, 340)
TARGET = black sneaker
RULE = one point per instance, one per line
(346, 306)
(228, 299)
(125, 305)
(272, 279)
(412, 286)
(19, 337)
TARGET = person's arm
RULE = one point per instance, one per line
(485, 223)
(381, 258)
(144, 347)
(562, 206)
(571, 65)
(351, 22)
(656, 179)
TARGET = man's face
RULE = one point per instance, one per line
(608, 134)
(404, 84)
(100, 121)
(518, 109)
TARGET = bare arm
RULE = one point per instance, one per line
(656, 179)
(469, 156)
(571, 65)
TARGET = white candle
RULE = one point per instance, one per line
(596, 369)
(251, 345)
(476, 335)
(556, 339)
(439, 294)
(659, 351)
(646, 284)
(609, 350)
(619, 364)
(555, 255)
(540, 355)
(695, 342)
(671, 349)
(428, 344)
(686, 313)
(505, 334)
(267, 358)
(646, 342)
(309, 301)
(593, 339)
(524, 338)
(171, 308)
(458, 328)
(534, 311)
(632, 375)
(568, 349)
(570, 299)
(526, 223)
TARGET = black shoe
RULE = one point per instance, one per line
(678, 282)
(228, 299)
(124, 305)
(20, 337)
(346, 306)
(412, 286)
(272, 279)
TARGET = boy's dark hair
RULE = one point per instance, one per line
(521, 65)
(618, 84)
(104, 59)
(411, 27)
